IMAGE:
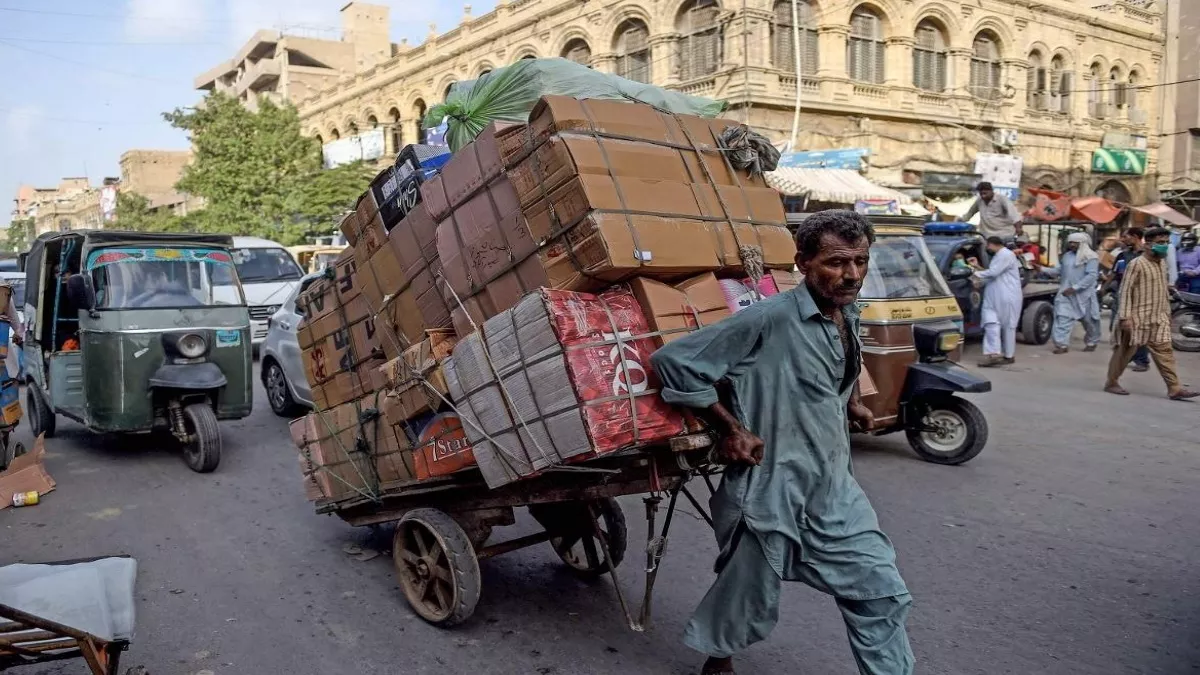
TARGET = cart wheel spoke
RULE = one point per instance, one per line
(443, 573)
(589, 550)
(442, 598)
(567, 543)
(409, 557)
(419, 538)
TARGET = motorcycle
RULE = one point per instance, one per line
(1185, 321)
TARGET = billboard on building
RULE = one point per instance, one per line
(366, 146)
(108, 203)
(1002, 171)
(841, 158)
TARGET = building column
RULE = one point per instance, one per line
(831, 69)
(664, 59)
(898, 75)
(959, 77)
(606, 62)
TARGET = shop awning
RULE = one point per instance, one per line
(1168, 214)
(1050, 206)
(955, 209)
(839, 186)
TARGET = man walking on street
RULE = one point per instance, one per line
(997, 215)
(1078, 271)
(1145, 317)
(1001, 310)
(788, 507)
(1131, 241)
(1189, 264)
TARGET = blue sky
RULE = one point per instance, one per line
(83, 81)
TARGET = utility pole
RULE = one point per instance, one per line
(799, 54)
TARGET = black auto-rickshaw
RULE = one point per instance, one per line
(133, 332)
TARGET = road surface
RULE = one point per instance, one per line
(1068, 547)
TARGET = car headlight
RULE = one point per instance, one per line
(948, 341)
(191, 346)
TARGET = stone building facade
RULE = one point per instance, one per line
(73, 205)
(153, 175)
(923, 84)
(1180, 165)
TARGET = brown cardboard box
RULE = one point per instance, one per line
(400, 323)
(26, 473)
(677, 310)
(334, 466)
(331, 322)
(349, 227)
(785, 280)
(348, 386)
(415, 242)
(371, 232)
(381, 276)
(473, 167)
(416, 379)
(420, 358)
(553, 114)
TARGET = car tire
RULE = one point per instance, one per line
(279, 392)
(1037, 323)
(203, 454)
(42, 418)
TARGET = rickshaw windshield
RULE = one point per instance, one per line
(902, 267)
(164, 278)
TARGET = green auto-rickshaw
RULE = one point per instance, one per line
(133, 332)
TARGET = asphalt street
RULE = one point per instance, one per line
(1068, 547)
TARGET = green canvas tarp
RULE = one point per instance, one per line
(509, 94)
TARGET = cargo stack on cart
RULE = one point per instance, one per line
(492, 324)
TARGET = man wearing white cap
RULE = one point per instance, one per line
(1078, 270)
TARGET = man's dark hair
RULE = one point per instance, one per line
(983, 186)
(1136, 232)
(846, 225)
(1156, 232)
(995, 240)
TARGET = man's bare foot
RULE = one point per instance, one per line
(715, 666)
(1116, 389)
(1184, 394)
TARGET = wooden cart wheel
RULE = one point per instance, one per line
(436, 566)
(581, 550)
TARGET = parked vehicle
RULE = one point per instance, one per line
(946, 240)
(911, 337)
(268, 274)
(315, 257)
(1185, 321)
(132, 332)
(282, 370)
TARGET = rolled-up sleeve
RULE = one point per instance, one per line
(691, 366)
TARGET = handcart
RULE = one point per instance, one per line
(443, 524)
(94, 595)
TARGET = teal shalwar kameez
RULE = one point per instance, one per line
(800, 515)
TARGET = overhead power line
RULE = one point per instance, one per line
(90, 66)
(7, 38)
(114, 17)
(70, 120)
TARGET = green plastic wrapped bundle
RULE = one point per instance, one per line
(508, 94)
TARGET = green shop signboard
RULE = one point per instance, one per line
(1119, 160)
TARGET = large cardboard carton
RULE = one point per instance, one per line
(400, 323)
(381, 276)
(26, 473)
(414, 241)
(674, 311)
(416, 384)
(350, 449)
(575, 385)
(470, 170)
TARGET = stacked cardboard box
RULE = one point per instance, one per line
(507, 344)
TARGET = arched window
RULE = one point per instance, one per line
(1095, 100)
(783, 44)
(352, 128)
(701, 44)
(985, 66)
(1036, 95)
(1116, 89)
(320, 141)
(929, 57)
(633, 51)
(1131, 91)
(865, 51)
(485, 71)
(334, 134)
(577, 50)
(419, 113)
(446, 93)
(1061, 83)
(397, 132)
(528, 56)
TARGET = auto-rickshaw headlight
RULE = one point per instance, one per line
(949, 341)
(191, 346)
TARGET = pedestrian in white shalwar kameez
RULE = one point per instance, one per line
(1078, 270)
(1002, 300)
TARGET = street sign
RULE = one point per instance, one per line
(842, 158)
(1116, 160)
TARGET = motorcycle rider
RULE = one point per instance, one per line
(1189, 264)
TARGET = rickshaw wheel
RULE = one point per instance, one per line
(1179, 341)
(959, 431)
(436, 566)
(1037, 322)
(579, 548)
(42, 419)
(203, 453)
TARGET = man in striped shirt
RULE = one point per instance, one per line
(1145, 317)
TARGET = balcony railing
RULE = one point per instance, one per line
(809, 84)
(932, 100)
(871, 91)
(703, 87)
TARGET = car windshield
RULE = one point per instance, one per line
(135, 278)
(901, 267)
(263, 265)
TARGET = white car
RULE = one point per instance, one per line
(269, 274)
(282, 368)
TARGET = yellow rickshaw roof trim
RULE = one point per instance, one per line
(902, 309)
(898, 229)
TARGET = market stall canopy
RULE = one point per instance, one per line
(1168, 214)
(840, 186)
(955, 208)
(1050, 206)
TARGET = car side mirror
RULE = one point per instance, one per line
(957, 273)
